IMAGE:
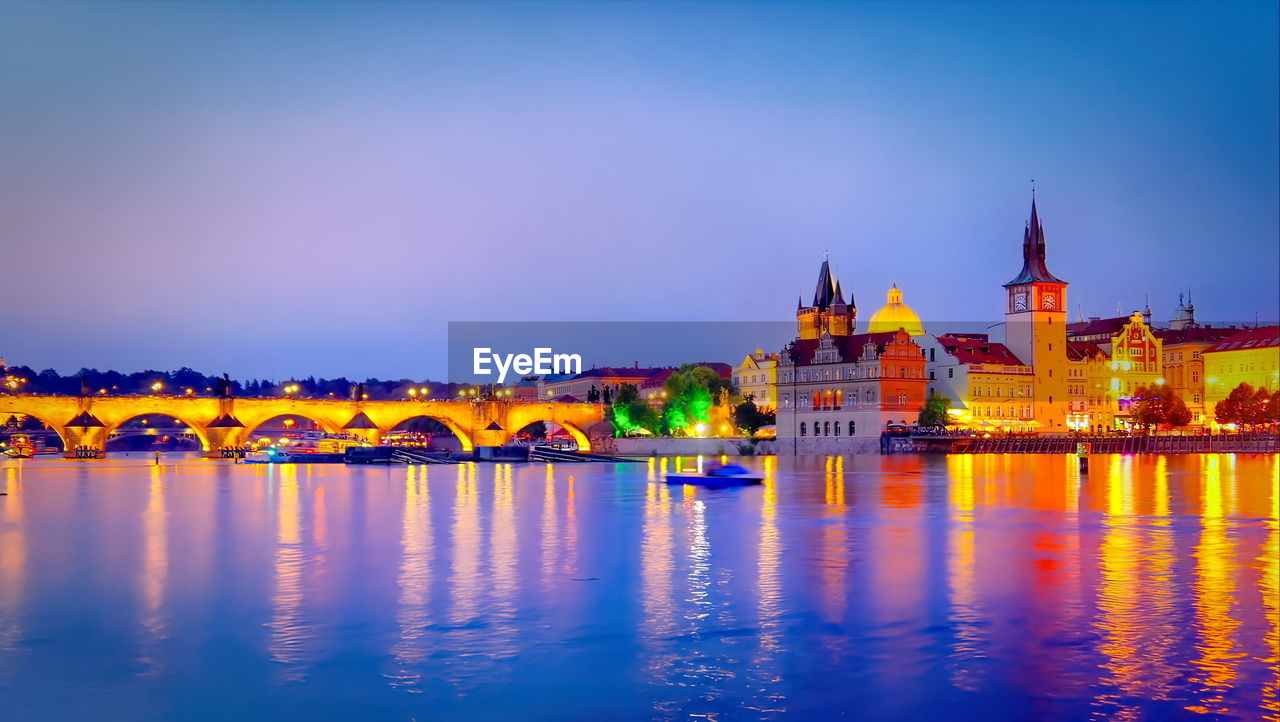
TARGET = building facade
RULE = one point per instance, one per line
(1249, 356)
(839, 390)
(989, 387)
(757, 377)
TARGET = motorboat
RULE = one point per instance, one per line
(718, 476)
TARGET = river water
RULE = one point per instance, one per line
(894, 588)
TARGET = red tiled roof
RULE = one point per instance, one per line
(978, 350)
(1247, 339)
(850, 347)
(1080, 350)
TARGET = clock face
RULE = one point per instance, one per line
(1050, 301)
(1020, 301)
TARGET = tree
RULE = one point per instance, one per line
(691, 389)
(935, 410)
(1158, 405)
(629, 413)
(1244, 405)
(748, 417)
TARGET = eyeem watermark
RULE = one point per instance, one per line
(543, 361)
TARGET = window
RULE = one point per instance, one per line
(951, 373)
(802, 427)
(931, 377)
(853, 428)
(931, 354)
(837, 428)
(826, 428)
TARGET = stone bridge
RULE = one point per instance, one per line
(87, 421)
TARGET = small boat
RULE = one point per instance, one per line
(720, 476)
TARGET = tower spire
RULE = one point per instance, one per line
(1034, 268)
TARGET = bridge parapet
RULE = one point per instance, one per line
(225, 423)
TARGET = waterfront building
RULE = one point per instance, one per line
(1184, 347)
(1092, 405)
(837, 392)
(989, 387)
(1036, 328)
(757, 377)
(1137, 360)
(895, 315)
(1249, 356)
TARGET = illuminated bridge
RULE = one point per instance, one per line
(87, 422)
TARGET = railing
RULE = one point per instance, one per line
(1257, 443)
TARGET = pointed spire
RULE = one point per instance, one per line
(839, 295)
(1033, 252)
(824, 294)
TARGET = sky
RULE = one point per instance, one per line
(279, 189)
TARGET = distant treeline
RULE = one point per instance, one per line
(188, 382)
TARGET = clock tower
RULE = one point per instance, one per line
(1036, 327)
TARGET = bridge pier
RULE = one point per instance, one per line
(79, 442)
(222, 437)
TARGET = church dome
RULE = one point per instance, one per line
(895, 315)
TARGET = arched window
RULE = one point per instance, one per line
(837, 428)
(802, 428)
(826, 428)
(853, 428)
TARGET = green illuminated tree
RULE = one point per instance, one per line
(935, 410)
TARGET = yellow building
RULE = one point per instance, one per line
(1036, 328)
(1251, 356)
(989, 388)
(757, 377)
(1093, 404)
(895, 315)
(1184, 371)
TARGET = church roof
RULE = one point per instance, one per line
(1033, 251)
(850, 347)
(895, 315)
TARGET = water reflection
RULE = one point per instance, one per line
(289, 630)
(13, 559)
(154, 572)
(417, 555)
(964, 587)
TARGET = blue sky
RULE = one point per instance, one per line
(287, 188)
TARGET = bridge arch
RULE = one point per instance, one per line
(42, 418)
(579, 436)
(463, 438)
(251, 427)
(197, 429)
